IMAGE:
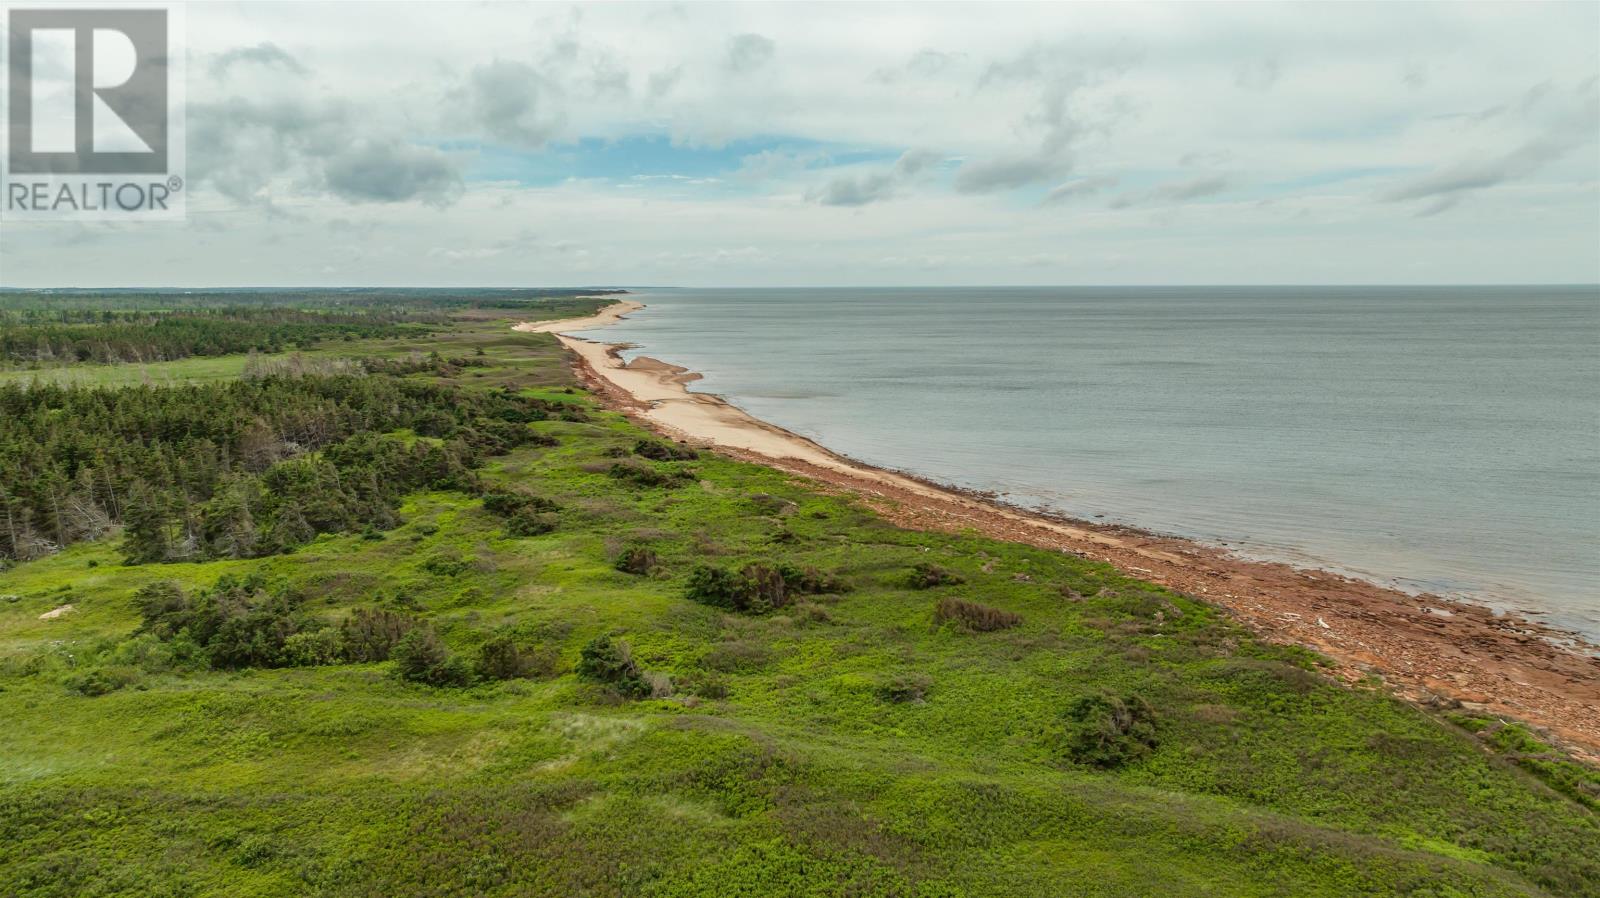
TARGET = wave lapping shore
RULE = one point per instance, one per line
(1426, 648)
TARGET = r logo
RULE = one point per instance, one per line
(88, 91)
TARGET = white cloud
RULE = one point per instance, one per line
(874, 185)
(512, 102)
(748, 52)
(1165, 142)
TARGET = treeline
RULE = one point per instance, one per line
(241, 468)
(73, 314)
(108, 337)
(551, 299)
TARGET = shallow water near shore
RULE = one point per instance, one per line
(1435, 439)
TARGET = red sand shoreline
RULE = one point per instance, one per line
(1425, 648)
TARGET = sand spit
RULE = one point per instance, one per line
(608, 315)
(1503, 665)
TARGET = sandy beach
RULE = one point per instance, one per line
(605, 316)
(1425, 648)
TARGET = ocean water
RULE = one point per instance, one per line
(1438, 439)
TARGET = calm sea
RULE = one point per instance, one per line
(1440, 439)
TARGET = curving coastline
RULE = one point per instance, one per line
(608, 315)
(1427, 649)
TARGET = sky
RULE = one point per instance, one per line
(766, 144)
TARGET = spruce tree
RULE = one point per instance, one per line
(144, 537)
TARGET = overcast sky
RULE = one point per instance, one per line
(771, 144)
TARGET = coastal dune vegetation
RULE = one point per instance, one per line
(406, 611)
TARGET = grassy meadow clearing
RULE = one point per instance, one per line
(706, 678)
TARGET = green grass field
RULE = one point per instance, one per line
(849, 744)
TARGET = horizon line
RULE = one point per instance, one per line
(943, 286)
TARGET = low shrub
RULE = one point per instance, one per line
(639, 560)
(764, 588)
(810, 581)
(312, 648)
(641, 475)
(659, 684)
(706, 685)
(657, 450)
(1516, 744)
(370, 634)
(237, 623)
(421, 657)
(526, 522)
(508, 502)
(770, 504)
(737, 655)
(445, 564)
(926, 575)
(1105, 731)
(906, 687)
(758, 587)
(100, 681)
(812, 613)
(241, 623)
(502, 658)
(973, 616)
(610, 662)
(158, 605)
(714, 586)
(151, 654)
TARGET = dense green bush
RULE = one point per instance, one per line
(370, 634)
(715, 586)
(445, 564)
(530, 523)
(158, 604)
(503, 658)
(610, 662)
(639, 560)
(312, 648)
(99, 681)
(421, 657)
(243, 623)
(811, 581)
(757, 587)
(237, 623)
(656, 450)
(1103, 730)
(506, 503)
(151, 654)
